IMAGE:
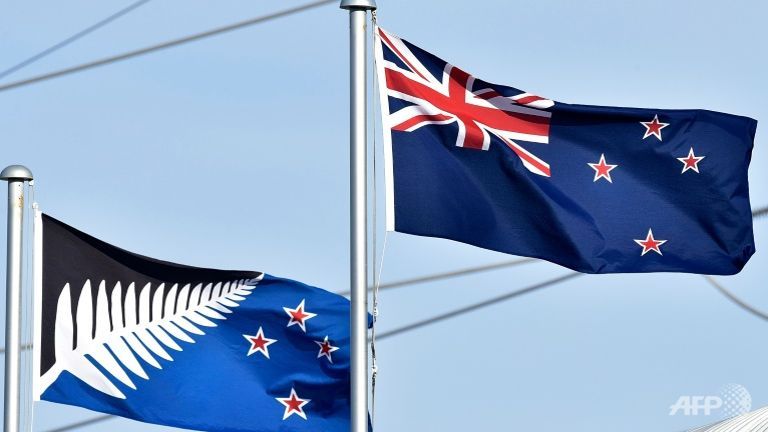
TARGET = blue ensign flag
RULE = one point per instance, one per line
(595, 189)
(196, 348)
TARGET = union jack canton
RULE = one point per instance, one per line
(478, 110)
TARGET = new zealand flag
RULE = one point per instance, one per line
(595, 189)
(183, 346)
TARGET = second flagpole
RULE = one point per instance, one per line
(358, 14)
(16, 176)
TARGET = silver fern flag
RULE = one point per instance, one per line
(183, 346)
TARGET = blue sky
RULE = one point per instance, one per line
(233, 153)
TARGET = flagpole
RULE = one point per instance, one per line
(15, 175)
(358, 13)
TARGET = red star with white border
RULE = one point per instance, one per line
(650, 243)
(259, 343)
(326, 349)
(294, 405)
(299, 316)
(691, 162)
(654, 127)
(602, 169)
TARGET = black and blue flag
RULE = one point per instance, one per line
(196, 348)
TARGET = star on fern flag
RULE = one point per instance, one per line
(170, 344)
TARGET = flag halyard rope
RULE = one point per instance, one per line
(376, 274)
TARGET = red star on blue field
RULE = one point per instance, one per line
(259, 343)
(294, 405)
(654, 127)
(691, 162)
(299, 316)
(650, 243)
(602, 169)
(326, 349)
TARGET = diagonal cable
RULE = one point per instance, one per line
(84, 423)
(732, 297)
(476, 306)
(73, 38)
(164, 45)
(451, 274)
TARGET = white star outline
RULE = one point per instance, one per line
(690, 156)
(299, 411)
(331, 349)
(648, 132)
(656, 248)
(302, 323)
(602, 162)
(267, 342)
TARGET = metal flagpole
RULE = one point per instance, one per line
(358, 13)
(15, 175)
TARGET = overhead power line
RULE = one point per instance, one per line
(739, 302)
(73, 38)
(164, 45)
(456, 273)
(451, 274)
(83, 423)
(476, 306)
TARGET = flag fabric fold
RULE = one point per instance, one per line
(182, 346)
(595, 189)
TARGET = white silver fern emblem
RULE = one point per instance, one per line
(146, 334)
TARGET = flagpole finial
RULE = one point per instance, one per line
(16, 172)
(358, 4)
